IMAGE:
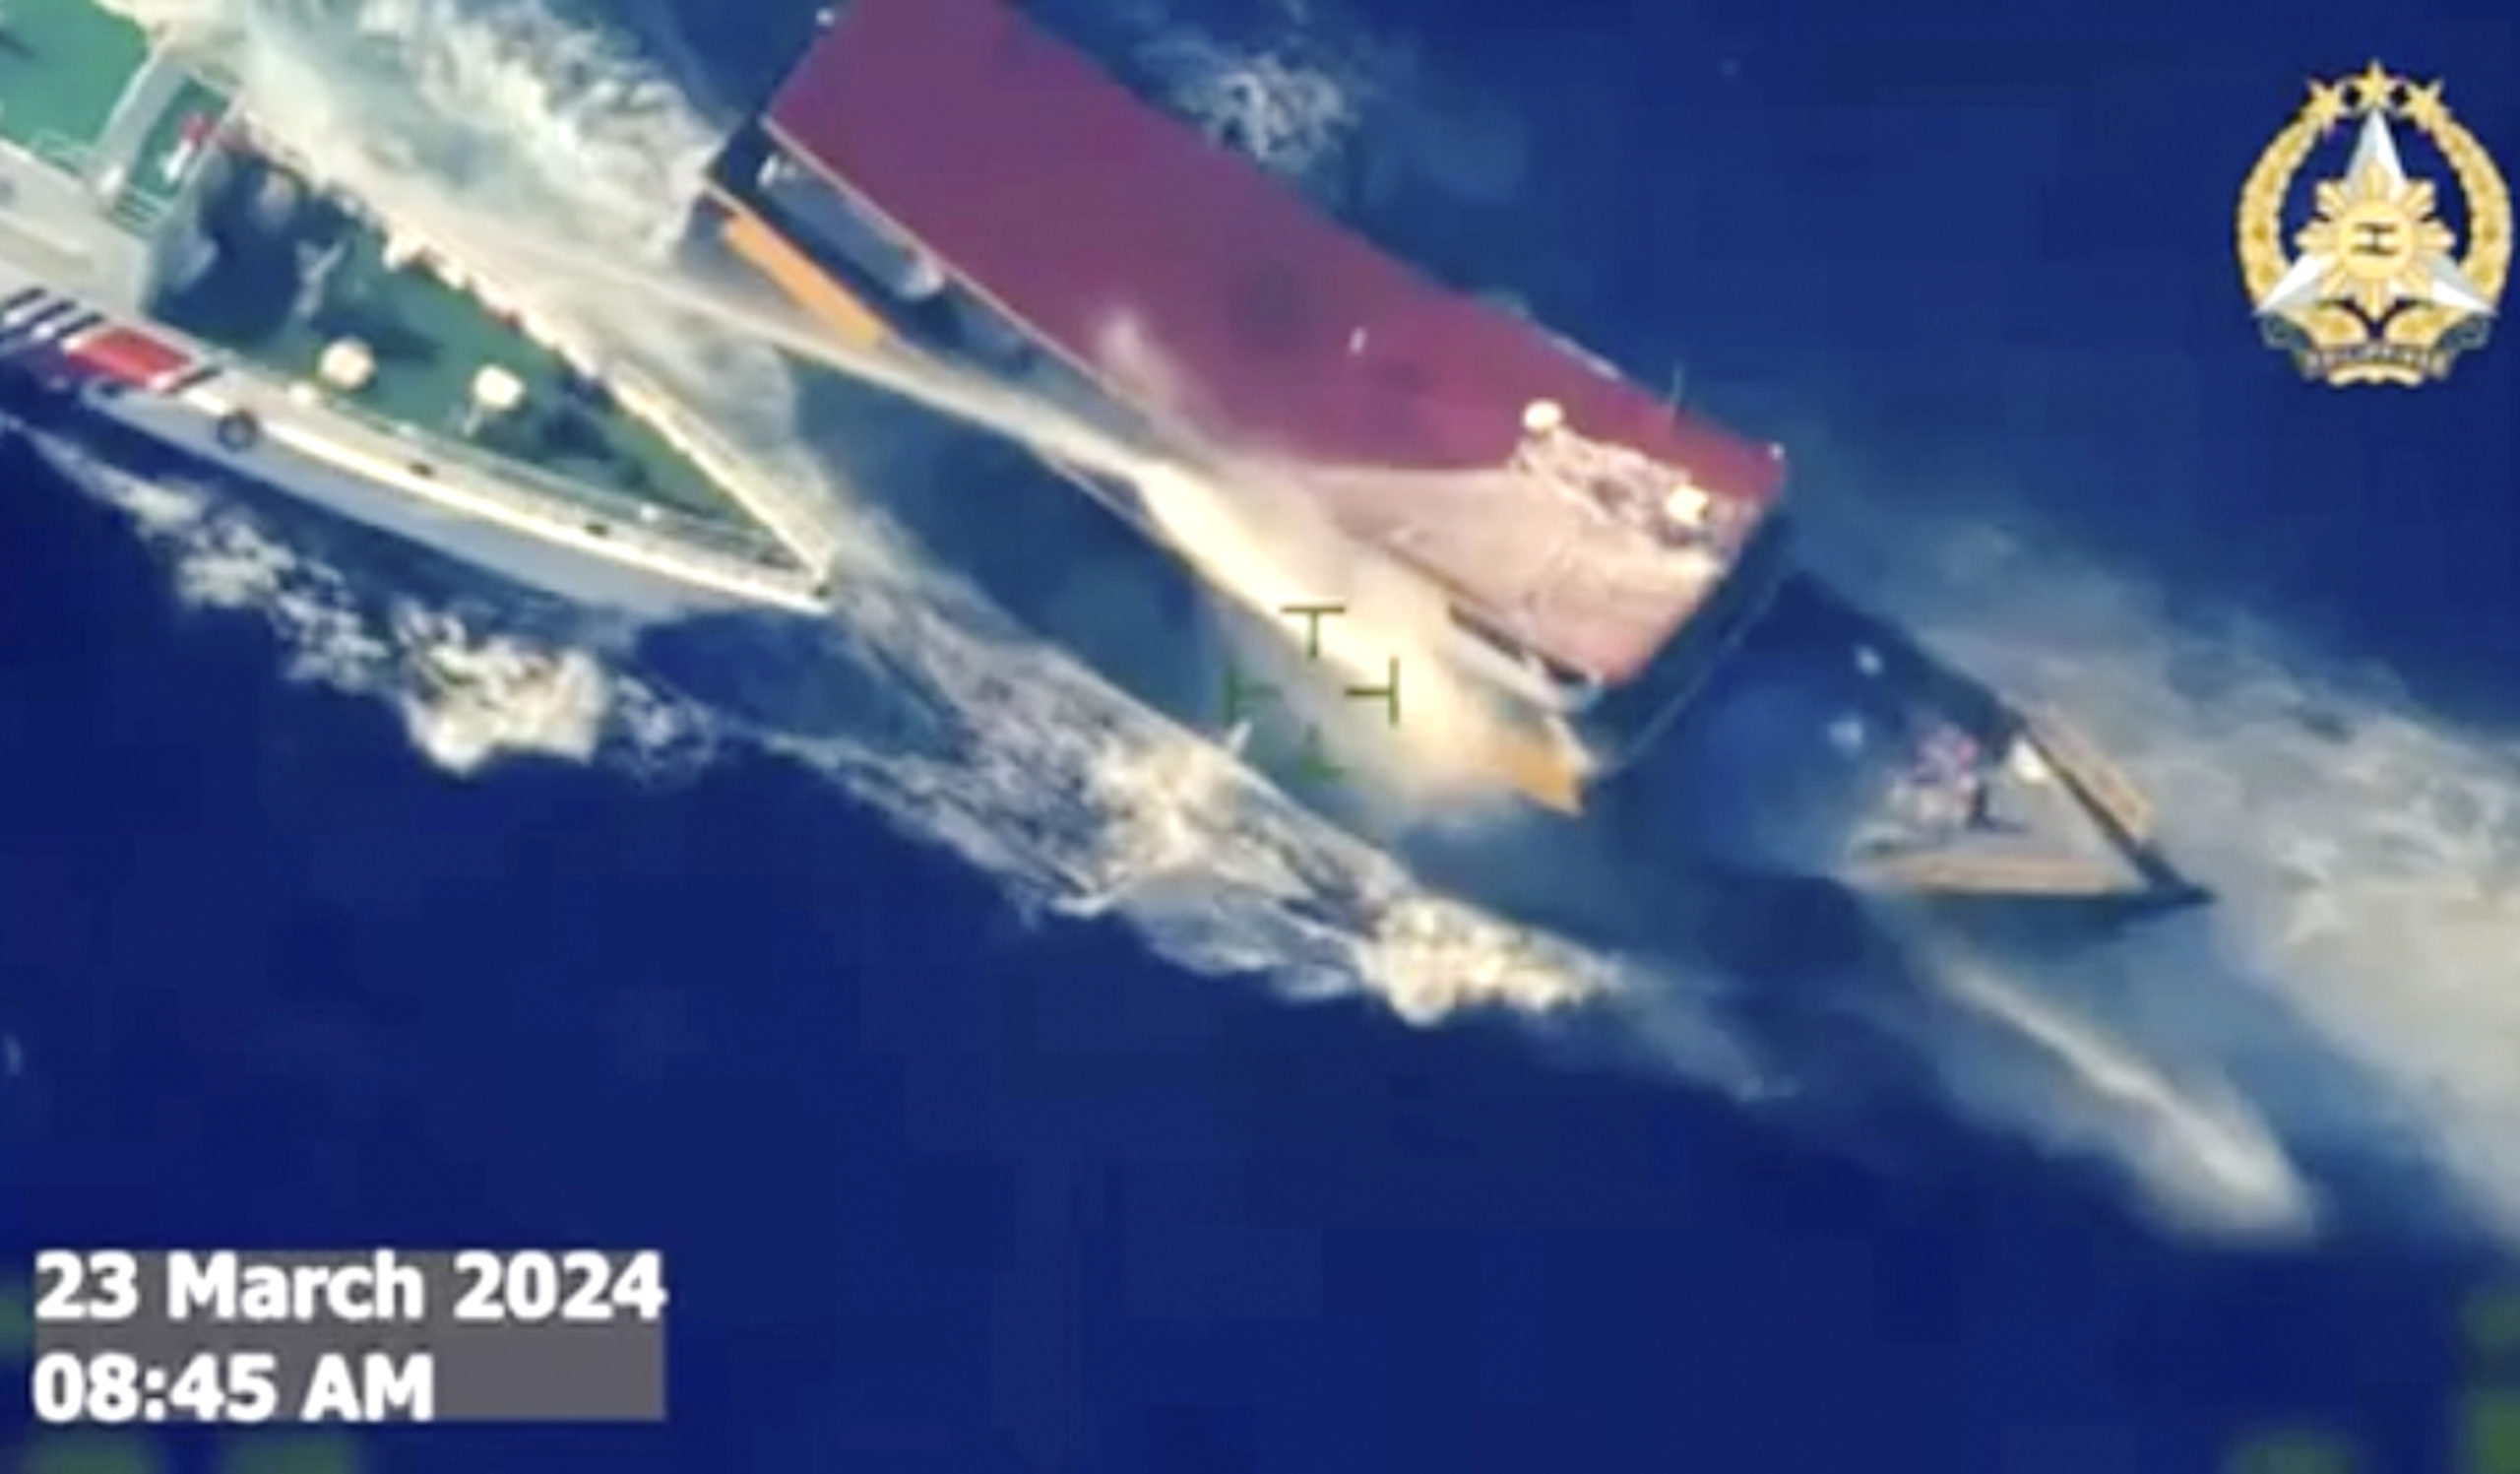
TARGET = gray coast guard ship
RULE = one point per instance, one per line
(171, 284)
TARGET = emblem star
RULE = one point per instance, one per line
(2327, 106)
(2376, 242)
(2373, 90)
(2424, 106)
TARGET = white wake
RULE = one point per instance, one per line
(468, 692)
(1082, 801)
(2365, 851)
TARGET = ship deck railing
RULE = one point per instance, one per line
(793, 523)
(61, 150)
(575, 498)
(618, 510)
(794, 526)
(140, 213)
(536, 503)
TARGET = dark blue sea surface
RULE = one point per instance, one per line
(945, 1188)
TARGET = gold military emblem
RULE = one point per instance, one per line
(2379, 292)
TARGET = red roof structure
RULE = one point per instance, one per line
(127, 354)
(1190, 283)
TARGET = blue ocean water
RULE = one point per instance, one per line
(944, 1188)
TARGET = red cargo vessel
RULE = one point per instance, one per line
(946, 177)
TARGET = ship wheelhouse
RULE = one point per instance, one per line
(1614, 720)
